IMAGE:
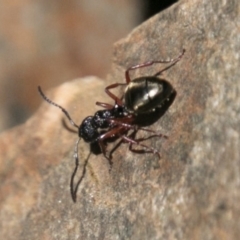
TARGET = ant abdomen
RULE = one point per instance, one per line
(145, 94)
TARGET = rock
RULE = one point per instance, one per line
(192, 192)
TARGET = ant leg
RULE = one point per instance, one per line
(112, 133)
(149, 137)
(117, 100)
(174, 61)
(133, 135)
(104, 152)
(155, 134)
(134, 127)
(104, 105)
(115, 148)
(146, 64)
(56, 105)
(132, 141)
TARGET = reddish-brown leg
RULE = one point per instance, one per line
(132, 141)
(126, 123)
(121, 132)
(104, 105)
(115, 132)
(146, 64)
(117, 100)
(141, 151)
(132, 136)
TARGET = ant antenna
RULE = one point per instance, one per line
(73, 189)
(56, 105)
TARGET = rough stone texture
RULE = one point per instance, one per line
(193, 192)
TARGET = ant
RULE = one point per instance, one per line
(144, 101)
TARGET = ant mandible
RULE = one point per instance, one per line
(143, 96)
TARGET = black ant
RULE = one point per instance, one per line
(144, 101)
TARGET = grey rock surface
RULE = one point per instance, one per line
(192, 192)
